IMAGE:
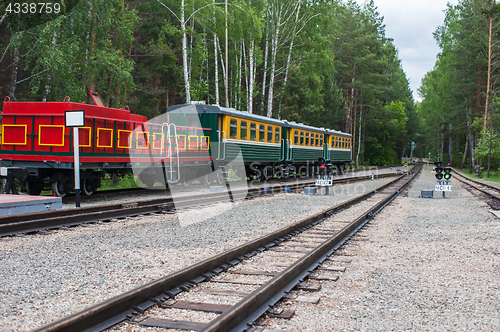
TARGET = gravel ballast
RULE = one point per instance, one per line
(422, 264)
(46, 277)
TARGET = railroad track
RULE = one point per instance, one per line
(113, 193)
(489, 191)
(270, 267)
(49, 220)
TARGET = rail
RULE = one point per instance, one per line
(237, 318)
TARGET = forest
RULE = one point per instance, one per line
(325, 63)
(458, 110)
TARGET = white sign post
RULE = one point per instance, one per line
(76, 119)
(443, 185)
(324, 181)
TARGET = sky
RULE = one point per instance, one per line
(411, 24)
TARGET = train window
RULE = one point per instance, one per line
(277, 132)
(270, 134)
(301, 138)
(342, 143)
(307, 138)
(321, 140)
(253, 131)
(336, 142)
(296, 138)
(262, 132)
(233, 128)
(243, 130)
(317, 140)
(333, 142)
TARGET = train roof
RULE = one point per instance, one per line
(200, 108)
(338, 133)
(305, 127)
(49, 108)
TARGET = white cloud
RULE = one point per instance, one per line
(411, 24)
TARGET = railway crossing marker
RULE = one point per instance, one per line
(76, 119)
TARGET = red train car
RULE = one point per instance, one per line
(37, 148)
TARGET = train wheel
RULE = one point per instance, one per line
(87, 187)
(58, 188)
(220, 177)
(211, 178)
(33, 188)
(185, 181)
(149, 181)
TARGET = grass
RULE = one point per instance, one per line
(494, 175)
(128, 181)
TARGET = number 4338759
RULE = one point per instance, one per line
(33, 8)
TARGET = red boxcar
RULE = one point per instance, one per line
(36, 146)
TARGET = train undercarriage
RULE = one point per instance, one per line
(60, 181)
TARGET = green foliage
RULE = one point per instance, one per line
(127, 181)
(482, 149)
(454, 92)
(334, 66)
(77, 51)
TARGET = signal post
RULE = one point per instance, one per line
(443, 177)
(324, 178)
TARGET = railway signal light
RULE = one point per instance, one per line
(447, 173)
(438, 169)
(322, 166)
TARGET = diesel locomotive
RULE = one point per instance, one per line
(186, 143)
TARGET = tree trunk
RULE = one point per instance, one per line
(223, 65)
(226, 84)
(216, 65)
(353, 131)
(167, 102)
(450, 146)
(489, 149)
(287, 67)
(251, 80)
(359, 137)
(184, 55)
(15, 68)
(362, 154)
(264, 78)
(465, 153)
(469, 127)
(442, 144)
(488, 83)
(274, 51)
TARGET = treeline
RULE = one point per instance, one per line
(459, 122)
(323, 63)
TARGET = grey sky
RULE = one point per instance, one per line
(411, 24)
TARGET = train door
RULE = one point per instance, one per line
(289, 138)
(219, 154)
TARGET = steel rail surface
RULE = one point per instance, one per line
(42, 221)
(242, 314)
(480, 183)
(117, 309)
